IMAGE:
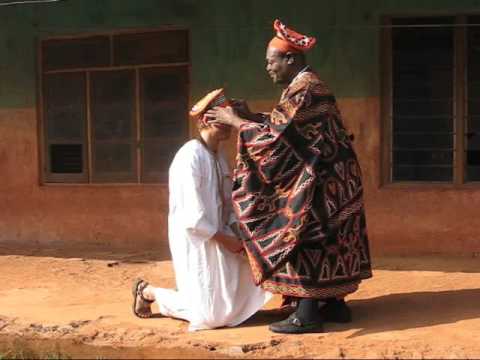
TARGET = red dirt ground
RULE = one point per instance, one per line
(79, 303)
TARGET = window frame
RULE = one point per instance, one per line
(459, 103)
(47, 178)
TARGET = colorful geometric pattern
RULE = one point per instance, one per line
(298, 41)
(298, 195)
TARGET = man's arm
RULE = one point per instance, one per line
(235, 115)
(243, 110)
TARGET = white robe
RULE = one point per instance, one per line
(214, 286)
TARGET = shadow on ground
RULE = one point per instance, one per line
(411, 310)
(160, 253)
(266, 317)
(443, 263)
(395, 312)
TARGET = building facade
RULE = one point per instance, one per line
(94, 98)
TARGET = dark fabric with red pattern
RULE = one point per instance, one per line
(299, 197)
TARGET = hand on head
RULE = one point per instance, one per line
(222, 115)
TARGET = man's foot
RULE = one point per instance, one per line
(294, 325)
(336, 311)
(141, 306)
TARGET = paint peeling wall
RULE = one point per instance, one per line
(228, 43)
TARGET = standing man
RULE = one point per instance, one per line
(298, 192)
(214, 282)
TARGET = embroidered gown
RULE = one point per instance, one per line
(298, 195)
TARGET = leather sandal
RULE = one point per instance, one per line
(141, 305)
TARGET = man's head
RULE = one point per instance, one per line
(285, 53)
(212, 99)
(218, 132)
(283, 66)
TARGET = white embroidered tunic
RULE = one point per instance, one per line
(214, 286)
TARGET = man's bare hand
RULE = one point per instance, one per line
(231, 243)
(225, 116)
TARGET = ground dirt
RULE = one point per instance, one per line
(79, 304)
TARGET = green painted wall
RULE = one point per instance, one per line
(228, 38)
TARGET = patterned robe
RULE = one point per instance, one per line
(298, 195)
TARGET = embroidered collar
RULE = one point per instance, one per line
(300, 73)
(294, 80)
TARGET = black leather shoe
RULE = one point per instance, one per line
(336, 311)
(293, 325)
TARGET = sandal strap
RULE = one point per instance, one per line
(142, 284)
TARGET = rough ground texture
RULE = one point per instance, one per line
(79, 304)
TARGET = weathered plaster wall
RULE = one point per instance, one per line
(410, 220)
(228, 40)
(101, 215)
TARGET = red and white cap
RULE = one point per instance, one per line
(287, 39)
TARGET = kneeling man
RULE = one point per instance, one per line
(214, 281)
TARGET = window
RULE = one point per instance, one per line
(113, 106)
(472, 171)
(431, 103)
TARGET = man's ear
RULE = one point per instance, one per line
(290, 58)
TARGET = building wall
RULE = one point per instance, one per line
(228, 44)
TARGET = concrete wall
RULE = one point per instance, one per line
(228, 44)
